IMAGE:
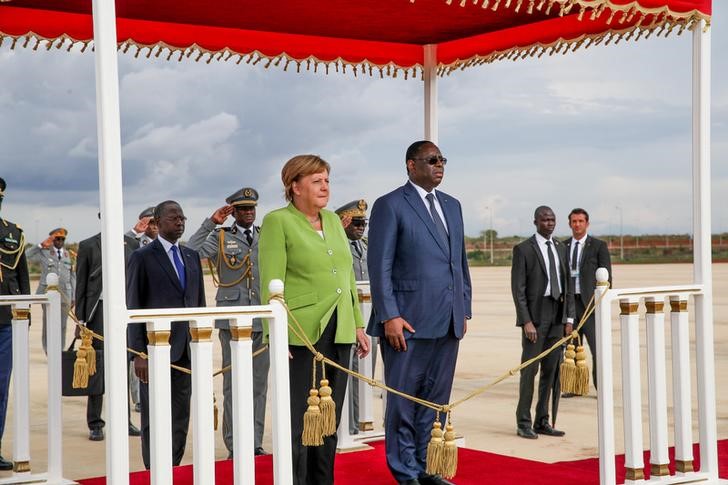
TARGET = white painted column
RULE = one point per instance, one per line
(430, 78)
(366, 392)
(681, 384)
(702, 272)
(605, 392)
(657, 387)
(108, 127)
(160, 403)
(344, 439)
(631, 387)
(203, 428)
(55, 413)
(280, 406)
(21, 390)
(241, 349)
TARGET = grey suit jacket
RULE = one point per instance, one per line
(529, 277)
(594, 255)
(49, 263)
(235, 249)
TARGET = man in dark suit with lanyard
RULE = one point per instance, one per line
(586, 254)
(164, 274)
(89, 311)
(544, 302)
(421, 297)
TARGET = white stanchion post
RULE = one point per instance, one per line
(681, 385)
(631, 390)
(344, 438)
(160, 404)
(278, 326)
(605, 392)
(241, 349)
(657, 387)
(55, 414)
(21, 390)
(366, 392)
(203, 429)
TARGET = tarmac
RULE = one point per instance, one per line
(486, 422)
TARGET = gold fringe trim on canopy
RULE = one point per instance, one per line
(658, 21)
(566, 6)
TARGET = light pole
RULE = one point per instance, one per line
(621, 234)
(491, 233)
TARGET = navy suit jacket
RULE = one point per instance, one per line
(412, 273)
(153, 283)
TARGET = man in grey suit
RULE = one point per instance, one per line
(586, 254)
(53, 257)
(544, 302)
(354, 219)
(232, 253)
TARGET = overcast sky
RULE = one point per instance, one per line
(602, 128)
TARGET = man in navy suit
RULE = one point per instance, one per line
(421, 295)
(164, 274)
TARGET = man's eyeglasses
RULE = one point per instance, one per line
(359, 223)
(433, 159)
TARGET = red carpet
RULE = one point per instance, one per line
(474, 467)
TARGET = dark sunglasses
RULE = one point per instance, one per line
(359, 223)
(433, 160)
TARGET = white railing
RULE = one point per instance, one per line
(20, 305)
(158, 324)
(631, 374)
(352, 442)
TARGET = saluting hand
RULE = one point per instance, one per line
(345, 221)
(142, 224)
(393, 332)
(47, 242)
(219, 216)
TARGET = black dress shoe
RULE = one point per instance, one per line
(427, 479)
(527, 433)
(5, 464)
(567, 395)
(96, 434)
(548, 430)
(259, 451)
(134, 431)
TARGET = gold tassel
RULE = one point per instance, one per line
(214, 410)
(312, 434)
(568, 370)
(449, 461)
(581, 376)
(435, 448)
(80, 370)
(327, 405)
(312, 431)
(87, 345)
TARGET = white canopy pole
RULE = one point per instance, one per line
(430, 77)
(702, 258)
(112, 241)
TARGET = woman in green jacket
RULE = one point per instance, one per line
(306, 246)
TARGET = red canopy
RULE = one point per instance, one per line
(387, 35)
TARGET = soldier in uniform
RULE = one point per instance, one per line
(53, 257)
(14, 280)
(232, 253)
(145, 230)
(354, 218)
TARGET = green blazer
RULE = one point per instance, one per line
(316, 272)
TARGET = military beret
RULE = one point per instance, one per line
(356, 209)
(148, 212)
(58, 232)
(2, 186)
(245, 196)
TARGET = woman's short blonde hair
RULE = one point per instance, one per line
(301, 166)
